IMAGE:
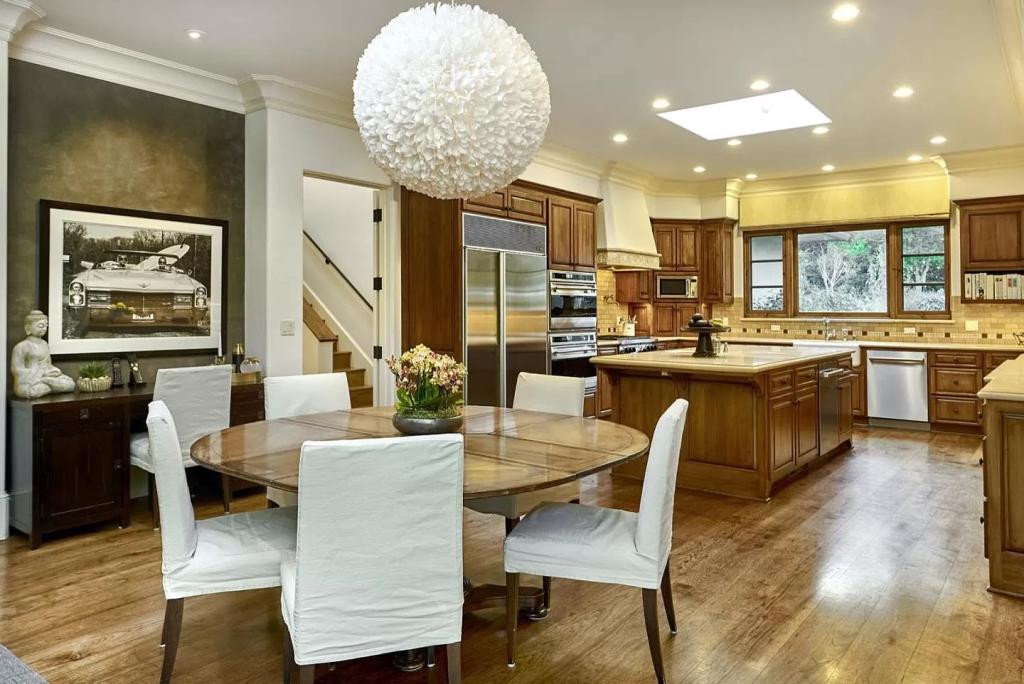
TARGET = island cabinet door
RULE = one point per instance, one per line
(83, 471)
(845, 409)
(781, 435)
(806, 426)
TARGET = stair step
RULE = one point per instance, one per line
(361, 396)
(342, 360)
(356, 376)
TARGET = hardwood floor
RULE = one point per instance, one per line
(869, 569)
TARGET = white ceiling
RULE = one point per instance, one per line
(606, 60)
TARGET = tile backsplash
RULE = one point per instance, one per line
(970, 324)
(608, 310)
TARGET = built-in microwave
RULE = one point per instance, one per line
(676, 286)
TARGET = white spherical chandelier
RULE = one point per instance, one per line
(451, 101)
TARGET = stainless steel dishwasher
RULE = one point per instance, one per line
(829, 406)
(898, 385)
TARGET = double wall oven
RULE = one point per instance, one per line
(572, 325)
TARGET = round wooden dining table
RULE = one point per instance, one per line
(507, 452)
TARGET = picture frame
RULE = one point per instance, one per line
(118, 280)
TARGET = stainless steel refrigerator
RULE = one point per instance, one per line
(505, 306)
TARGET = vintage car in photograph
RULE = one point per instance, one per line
(137, 291)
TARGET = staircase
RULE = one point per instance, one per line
(359, 391)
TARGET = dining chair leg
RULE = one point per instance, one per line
(431, 656)
(653, 638)
(546, 581)
(666, 596)
(287, 657)
(154, 504)
(172, 631)
(225, 492)
(454, 656)
(306, 674)
(511, 615)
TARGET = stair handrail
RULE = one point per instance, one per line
(327, 260)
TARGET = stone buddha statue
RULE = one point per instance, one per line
(34, 373)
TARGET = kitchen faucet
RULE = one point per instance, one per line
(830, 333)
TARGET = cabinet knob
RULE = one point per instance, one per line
(83, 414)
(982, 520)
(117, 465)
(981, 461)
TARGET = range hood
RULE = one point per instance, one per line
(624, 238)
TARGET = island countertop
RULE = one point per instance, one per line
(739, 360)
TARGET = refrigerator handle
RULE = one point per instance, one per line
(502, 337)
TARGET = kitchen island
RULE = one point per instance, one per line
(758, 415)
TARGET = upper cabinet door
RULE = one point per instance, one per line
(992, 235)
(527, 205)
(492, 204)
(687, 248)
(560, 233)
(665, 243)
(584, 221)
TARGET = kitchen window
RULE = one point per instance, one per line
(895, 270)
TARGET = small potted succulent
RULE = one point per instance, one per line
(93, 377)
(429, 389)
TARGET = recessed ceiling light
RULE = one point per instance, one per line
(195, 34)
(760, 84)
(903, 92)
(751, 176)
(914, 158)
(777, 111)
(734, 142)
(828, 167)
(938, 140)
(660, 103)
(820, 130)
(620, 137)
(846, 11)
(699, 169)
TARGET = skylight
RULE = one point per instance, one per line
(779, 111)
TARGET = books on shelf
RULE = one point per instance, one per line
(992, 286)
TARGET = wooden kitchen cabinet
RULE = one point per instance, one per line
(954, 378)
(633, 287)
(584, 235)
(716, 269)
(845, 387)
(513, 202)
(992, 234)
(782, 435)
(492, 204)
(664, 320)
(1003, 512)
(678, 243)
(560, 241)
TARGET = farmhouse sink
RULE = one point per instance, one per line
(854, 347)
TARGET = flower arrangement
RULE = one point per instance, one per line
(428, 384)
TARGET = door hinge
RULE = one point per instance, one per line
(378, 215)
(378, 351)
(378, 284)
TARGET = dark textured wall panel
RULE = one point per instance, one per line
(78, 139)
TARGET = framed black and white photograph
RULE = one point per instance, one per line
(118, 280)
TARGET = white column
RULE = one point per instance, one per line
(13, 17)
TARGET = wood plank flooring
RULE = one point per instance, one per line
(869, 569)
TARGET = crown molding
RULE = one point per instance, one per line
(565, 159)
(1009, 16)
(16, 15)
(261, 91)
(985, 160)
(843, 180)
(58, 49)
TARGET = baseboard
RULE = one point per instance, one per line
(4, 506)
(899, 424)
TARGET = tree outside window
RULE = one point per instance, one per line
(923, 256)
(842, 272)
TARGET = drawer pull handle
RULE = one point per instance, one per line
(83, 414)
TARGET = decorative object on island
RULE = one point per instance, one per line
(119, 280)
(429, 389)
(93, 377)
(451, 101)
(237, 356)
(706, 347)
(34, 373)
(251, 364)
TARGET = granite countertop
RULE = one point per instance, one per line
(737, 361)
(870, 344)
(1006, 382)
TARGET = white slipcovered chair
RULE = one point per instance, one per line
(377, 566)
(200, 400)
(298, 395)
(596, 544)
(546, 394)
(228, 553)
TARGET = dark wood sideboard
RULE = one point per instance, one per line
(69, 463)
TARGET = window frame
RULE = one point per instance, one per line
(894, 271)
